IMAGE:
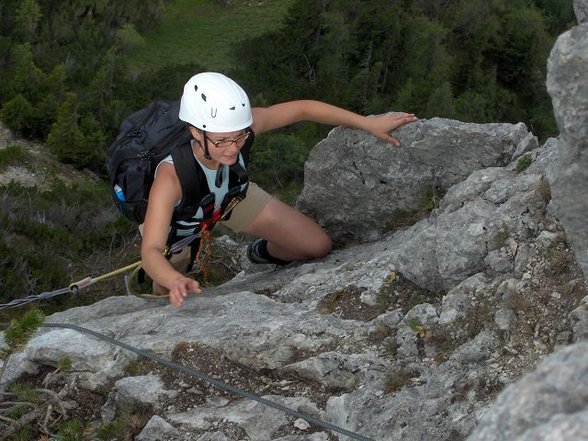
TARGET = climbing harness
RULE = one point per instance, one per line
(218, 384)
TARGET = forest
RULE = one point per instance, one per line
(67, 81)
(65, 78)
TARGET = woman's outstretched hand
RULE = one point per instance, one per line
(181, 288)
(380, 126)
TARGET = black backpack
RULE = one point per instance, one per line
(147, 137)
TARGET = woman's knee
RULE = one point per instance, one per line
(320, 246)
(291, 231)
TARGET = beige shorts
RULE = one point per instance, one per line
(248, 209)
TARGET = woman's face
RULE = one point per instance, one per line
(223, 148)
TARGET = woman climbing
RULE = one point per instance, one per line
(222, 125)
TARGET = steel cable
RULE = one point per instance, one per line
(216, 383)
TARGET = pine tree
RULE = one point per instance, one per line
(18, 114)
(27, 17)
(66, 137)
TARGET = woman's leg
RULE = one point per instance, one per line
(290, 234)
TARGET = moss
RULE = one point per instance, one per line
(24, 392)
(140, 367)
(386, 293)
(419, 329)
(20, 331)
(329, 303)
(429, 200)
(348, 304)
(25, 433)
(432, 198)
(71, 430)
(559, 260)
(415, 299)
(398, 291)
(64, 364)
(498, 240)
(523, 163)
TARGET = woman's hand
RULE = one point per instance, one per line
(380, 126)
(180, 289)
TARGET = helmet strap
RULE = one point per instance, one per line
(205, 147)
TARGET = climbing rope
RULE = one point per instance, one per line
(75, 287)
(204, 254)
(218, 384)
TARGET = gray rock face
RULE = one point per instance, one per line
(579, 319)
(245, 413)
(550, 402)
(157, 429)
(471, 229)
(567, 85)
(581, 10)
(143, 390)
(358, 187)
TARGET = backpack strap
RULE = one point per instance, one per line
(192, 180)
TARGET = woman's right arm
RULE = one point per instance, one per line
(164, 194)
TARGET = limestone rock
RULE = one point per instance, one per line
(581, 10)
(142, 390)
(567, 85)
(157, 429)
(357, 186)
(547, 404)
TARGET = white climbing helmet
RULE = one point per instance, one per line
(215, 103)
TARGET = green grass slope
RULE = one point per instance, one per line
(204, 31)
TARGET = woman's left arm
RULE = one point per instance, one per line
(283, 114)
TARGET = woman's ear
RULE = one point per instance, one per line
(195, 133)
